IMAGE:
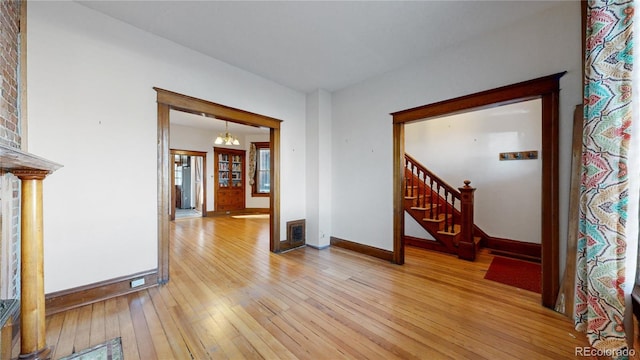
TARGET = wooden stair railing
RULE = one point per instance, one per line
(425, 191)
(468, 244)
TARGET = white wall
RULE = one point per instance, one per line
(362, 127)
(92, 108)
(467, 146)
(414, 229)
(318, 169)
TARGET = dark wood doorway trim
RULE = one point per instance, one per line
(548, 90)
(168, 100)
(201, 154)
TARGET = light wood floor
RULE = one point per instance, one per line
(229, 298)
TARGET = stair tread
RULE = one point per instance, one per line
(438, 219)
(456, 231)
(424, 208)
(442, 232)
(417, 194)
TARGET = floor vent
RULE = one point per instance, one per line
(296, 232)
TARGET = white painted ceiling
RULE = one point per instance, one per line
(309, 45)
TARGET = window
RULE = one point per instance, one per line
(178, 170)
(261, 179)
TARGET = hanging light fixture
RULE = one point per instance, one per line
(226, 138)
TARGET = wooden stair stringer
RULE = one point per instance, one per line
(447, 240)
(441, 242)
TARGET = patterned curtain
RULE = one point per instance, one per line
(602, 241)
(198, 165)
(252, 164)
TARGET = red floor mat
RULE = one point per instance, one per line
(521, 274)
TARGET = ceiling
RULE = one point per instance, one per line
(310, 45)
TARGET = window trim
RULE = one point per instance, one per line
(254, 186)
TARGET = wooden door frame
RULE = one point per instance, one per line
(548, 90)
(168, 100)
(203, 155)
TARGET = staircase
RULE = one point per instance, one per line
(444, 212)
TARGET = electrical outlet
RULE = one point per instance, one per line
(137, 282)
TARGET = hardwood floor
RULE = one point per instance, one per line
(229, 298)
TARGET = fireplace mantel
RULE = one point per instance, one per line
(14, 159)
(31, 170)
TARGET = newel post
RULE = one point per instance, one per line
(32, 308)
(466, 245)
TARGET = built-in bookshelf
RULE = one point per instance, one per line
(229, 172)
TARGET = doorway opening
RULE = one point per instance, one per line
(188, 184)
(547, 89)
(167, 101)
(471, 146)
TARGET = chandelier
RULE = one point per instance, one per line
(226, 138)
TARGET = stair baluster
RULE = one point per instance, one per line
(413, 179)
(424, 190)
(452, 228)
(438, 207)
(431, 199)
(453, 213)
(412, 173)
(416, 189)
(447, 214)
(406, 178)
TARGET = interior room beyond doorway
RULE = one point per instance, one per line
(188, 191)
